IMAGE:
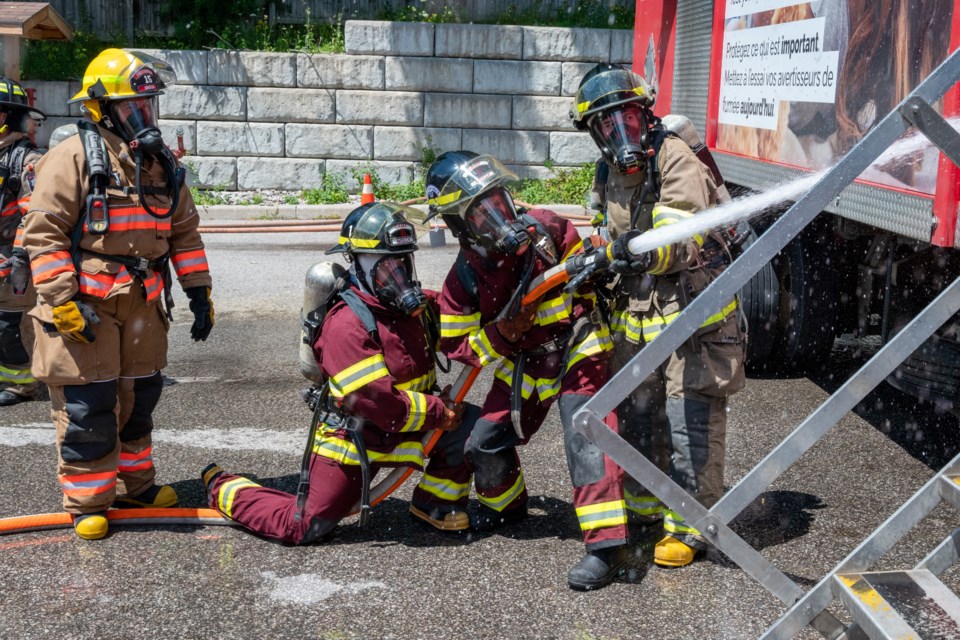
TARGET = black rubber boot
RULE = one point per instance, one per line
(487, 519)
(598, 568)
(9, 398)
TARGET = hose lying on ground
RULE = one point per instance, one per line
(44, 521)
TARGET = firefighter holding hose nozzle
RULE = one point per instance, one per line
(646, 178)
(556, 347)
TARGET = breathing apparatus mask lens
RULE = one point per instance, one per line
(393, 279)
(492, 220)
(136, 119)
(621, 133)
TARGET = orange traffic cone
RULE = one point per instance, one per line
(366, 196)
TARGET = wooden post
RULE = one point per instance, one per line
(11, 57)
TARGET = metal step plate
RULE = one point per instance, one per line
(900, 604)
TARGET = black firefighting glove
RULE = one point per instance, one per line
(624, 262)
(584, 266)
(75, 321)
(202, 307)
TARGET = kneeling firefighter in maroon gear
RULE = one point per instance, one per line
(556, 347)
(376, 347)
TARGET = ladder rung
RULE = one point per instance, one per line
(900, 604)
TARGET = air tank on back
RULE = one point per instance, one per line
(682, 127)
(322, 281)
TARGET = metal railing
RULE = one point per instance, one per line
(712, 523)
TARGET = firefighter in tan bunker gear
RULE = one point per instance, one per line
(108, 218)
(677, 416)
(18, 158)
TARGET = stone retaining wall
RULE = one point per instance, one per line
(280, 121)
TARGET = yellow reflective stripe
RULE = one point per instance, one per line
(504, 373)
(482, 346)
(228, 492)
(358, 375)
(673, 523)
(15, 375)
(572, 250)
(423, 383)
(344, 451)
(643, 505)
(652, 327)
(554, 310)
(626, 323)
(604, 514)
(663, 260)
(663, 214)
(441, 200)
(499, 503)
(583, 106)
(454, 326)
(360, 243)
(418, 411)
(597, 341)
(445, 489)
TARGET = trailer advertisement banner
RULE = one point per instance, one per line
(800, 84)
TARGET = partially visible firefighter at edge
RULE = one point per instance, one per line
(109, 219)
(677, 417)
(18, 159)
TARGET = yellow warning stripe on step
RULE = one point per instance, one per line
(867, 594)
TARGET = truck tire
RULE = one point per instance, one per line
(809, 314)
(932, 372)
(760, 301)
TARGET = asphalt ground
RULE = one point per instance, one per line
(235, 400)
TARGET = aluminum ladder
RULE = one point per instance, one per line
(805, 608)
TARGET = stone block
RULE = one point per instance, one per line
(379, 107)
(509, 147)
(466, 110)
(408, 143)
(388, 172)
(290, 105)
(516, 77)
(211, 173)
(190, 66)
(479, 41)
(541, 112)
(337, 71)
(429, 74)
(50, 97)
(239, 139)
(572, 148)
(278, 173)
(621, 46)
(169, 130)
(329, 141)
(554, 43)
(207, 103)
(573, 73)
(388, 38)
(44, 131)
(532, 171)
(251, 68)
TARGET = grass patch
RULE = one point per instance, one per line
(206, 198)
(332, 190)
(568, 186)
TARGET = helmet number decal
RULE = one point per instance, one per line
(144, 81)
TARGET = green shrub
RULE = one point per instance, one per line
(204, 198)
(331, 191)
(568, 186)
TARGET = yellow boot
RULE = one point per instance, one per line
(450, 518)
(670, 552)
(91, 526)
(157, 496)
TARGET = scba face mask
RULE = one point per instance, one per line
(392, 278)
(135, 120)
(492, 221)
(621, 135)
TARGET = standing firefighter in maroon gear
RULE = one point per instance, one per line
(376, 347)
(556, 347)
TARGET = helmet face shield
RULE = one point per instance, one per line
(472, 177)
(382, 227)
(619, 132)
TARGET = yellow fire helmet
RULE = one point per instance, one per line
(116, 74)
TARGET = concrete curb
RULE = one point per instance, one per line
(318, 211)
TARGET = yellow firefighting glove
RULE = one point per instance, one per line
(75, 321)
(202, 307)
